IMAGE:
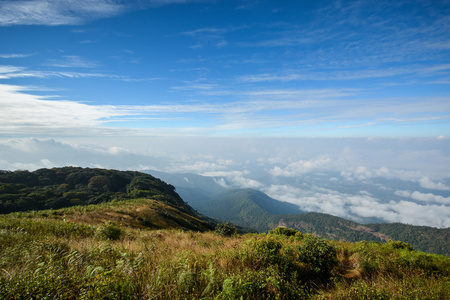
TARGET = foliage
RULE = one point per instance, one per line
(226, 229)
(400, 245)
(111, 250)
(320, 256)
(289, 232)
(429, 239)
(70, 186)
(249, 208)
(46, 258)
(109, 231)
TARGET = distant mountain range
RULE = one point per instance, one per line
(256, 211)
(136, 199)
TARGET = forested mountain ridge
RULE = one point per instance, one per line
(70, 186)
(73, 186)
(58, 188)
(243, 207)
(254, 209)
(424, 238)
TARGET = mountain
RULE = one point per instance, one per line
(188, 181)
(110, 195)
(255, 210)
(429, 239)
(99, 249)
(424, 238)
(245, 207)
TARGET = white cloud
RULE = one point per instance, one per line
(424, 197)
(234, 179)
(54, 12)
(359, 206)
(298, 110)
(301, 167)
(72, 61)
(11, 72)
(14, 55)
(8, 70)
(68, 12)
(427, 183)
(25, 113)
(362, 173)
(32, 154)
(250, 163)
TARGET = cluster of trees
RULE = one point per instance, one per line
(70, 186)
(434, 240)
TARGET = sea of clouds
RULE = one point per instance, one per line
(366, 180)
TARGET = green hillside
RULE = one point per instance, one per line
(157, 247)
(331, 227)
(51, 192)
(70, 186)
(425, 238)
(254, 209)
(245, 207)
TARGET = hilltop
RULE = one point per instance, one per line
(160, 206)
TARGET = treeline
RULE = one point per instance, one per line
(69, 186)
(434, 240)
(330, 227)
(429, 239)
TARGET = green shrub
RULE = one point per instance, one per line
(225, 229)
(400, 245)
(109, 231)
(289, 232)
(263, 252)
(320, 256)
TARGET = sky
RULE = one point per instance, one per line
(294, 98)
(225, 68)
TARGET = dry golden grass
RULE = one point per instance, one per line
(47, 255)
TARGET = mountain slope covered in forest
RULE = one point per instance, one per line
(130, 198)
(256, 210)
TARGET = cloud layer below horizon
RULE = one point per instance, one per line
(342, 177)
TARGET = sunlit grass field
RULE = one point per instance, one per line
(63, 254)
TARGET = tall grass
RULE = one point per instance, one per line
(53, 259)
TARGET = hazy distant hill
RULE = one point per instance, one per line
(245, 207)
(254, 209)
(201, 184)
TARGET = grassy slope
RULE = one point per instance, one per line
(110, 250)
(136, 213)
(71, 254)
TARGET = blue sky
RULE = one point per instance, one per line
(225, 68)
(341, 107)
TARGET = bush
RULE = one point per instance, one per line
(320, 256)
(263, 252)
(225, 229)
(400, 245)
(109, 231)
(287, 232)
